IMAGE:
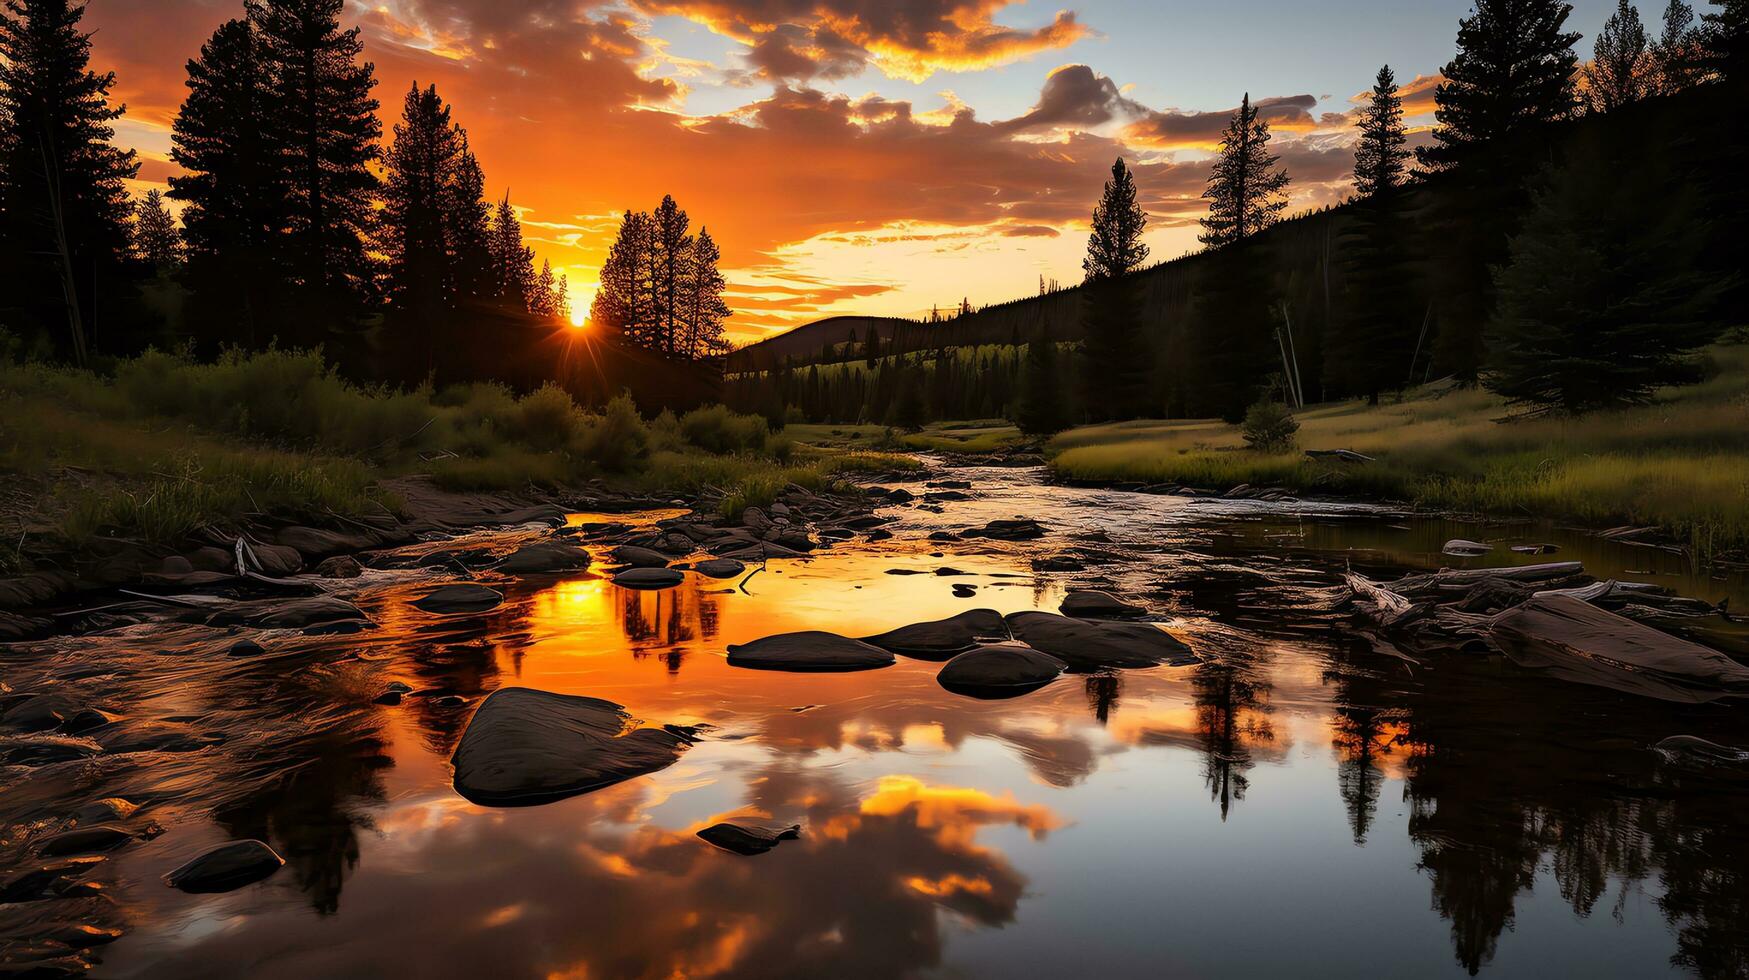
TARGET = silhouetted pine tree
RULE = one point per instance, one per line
(703, 307)
(468, 227)
(1379, 154)
(1042, 411)
(1726, 34)
(232, 188)
(156, 239)
(671, 251)
(909, 411)
(325, 128)
(1606, 293)
(1370, 346)
(620, 301)
(420, 167)
(1618, 73)
(544, 298)
(1245, 188)
(63, 206)
(871, 348)
(1678, 52)
(1513, 71)
(1115, 358)
(512, 261)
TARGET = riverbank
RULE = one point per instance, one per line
(106, 477)
(1680, 465)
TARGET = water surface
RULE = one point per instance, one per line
(1306, 803)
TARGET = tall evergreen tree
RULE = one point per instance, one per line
(543, 299)
(63, 205)
(1726, 34)
(703, 307)
(1618, 73)
(1513, 72)
(672, 252)
(512, 261)
(325, 125)
(620, 302)
(1379, 153)
(1607, 292)
(467, 218)
(871, 348)
(156, 239)
(1676, 54)
(420, 169)
(1042, 410)
(232, 187)
(1246, 187)
(1114, 354)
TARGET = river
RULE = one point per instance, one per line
(1306, 802)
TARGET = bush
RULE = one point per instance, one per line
(1269, 427)
(548, 419)
(617, 438)
(715, 429)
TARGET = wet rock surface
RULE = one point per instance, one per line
(460, 598)
(809, 651)
(1086, 645)
(545, 557)
(524, 747)
(1094, 604)
(942, 638)
(226, 868)
(746, 840)
(1004, 670)
(720, 568)
(649, 578)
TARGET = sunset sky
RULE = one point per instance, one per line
(868, 156)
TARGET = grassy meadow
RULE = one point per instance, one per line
(1681, 464)
(977, 436)
(162, 445)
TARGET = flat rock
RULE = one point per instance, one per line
(108, 808)
(636, 557)
(1093, 604)
(942, 638)
(525, 747)
(278, 614)
(85, 840)
(462, 597)
(720, 568)
(1088, 645)
(649, 578)
(1020, 529)
(747, 841)
(340, 566)
(1005, 670)
(545, 557)
(1569, 638)
(226, 868)
(810, 650)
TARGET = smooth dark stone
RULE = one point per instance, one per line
(85, 840)
(808, 651)
(720, 568)
(543, 558)
(649, 578)
(525, 747)
(247, 648)
(636, 557)
(942, 638)
(747, 841)
(1093, 604)
(1005, 670)
(464, 597)
(226, 868)
(1091, 645)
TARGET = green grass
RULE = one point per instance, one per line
(1681, 464)
(164, 445)
(974, 437)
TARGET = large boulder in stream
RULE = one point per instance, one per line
(1088, 645)
(314, 613)
(747, 841)
(719, 568)
(1574, 640)
(1093, 604)
(636, 557)
(812, 651)
(941, 639)
(545, 557)
(524, 747)
(226, 868)
(1009, 530)
(1005, 670)
(649, 578)
(462, 597)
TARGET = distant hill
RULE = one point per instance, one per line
(806, 341)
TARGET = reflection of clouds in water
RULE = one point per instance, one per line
(589, 887)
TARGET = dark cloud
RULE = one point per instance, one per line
(1075, 96)
(1170, 129)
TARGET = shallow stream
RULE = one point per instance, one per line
(1305, 803)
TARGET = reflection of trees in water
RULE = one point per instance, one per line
(1508, 774)
(1103, 691)
(1231, 706)
(1361, 735)
(661, 622)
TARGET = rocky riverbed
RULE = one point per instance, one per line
(967, 723)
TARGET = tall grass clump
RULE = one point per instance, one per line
(715, 429)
